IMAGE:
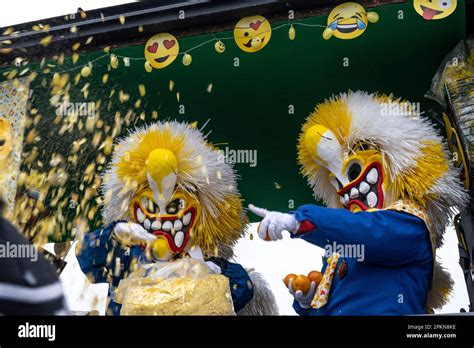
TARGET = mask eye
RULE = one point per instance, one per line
(354, 171)
(175, 206)
(149, 205)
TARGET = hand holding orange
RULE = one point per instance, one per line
(267, 237)
(315, 276)
(302, 282)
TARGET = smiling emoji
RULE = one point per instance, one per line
(348, 21)
(434, 9)
(161, 50)
(252, 33)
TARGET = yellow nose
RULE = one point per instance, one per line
(160, 164)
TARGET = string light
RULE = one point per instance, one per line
(219, 46)
(187, 59)
(292, 33)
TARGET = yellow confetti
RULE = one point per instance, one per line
(142, 90)
(8, 31)
(277, 185)
(76, 46)
(75, 58)
(12, 74)
(107, 49)
(122, 19)
(61, 59)
(46, 40)
(105, 78)
(209, 88)
(140, 29)
(171, 85)
(73, 29)
(114, 62)
(123, 97)
(89, 40)
(154, 114)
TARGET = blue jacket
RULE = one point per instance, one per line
(391, 277)
(98, 260)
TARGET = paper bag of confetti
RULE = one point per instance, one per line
(183, 287)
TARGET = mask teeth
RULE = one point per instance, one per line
(177, 227)
(365, 191)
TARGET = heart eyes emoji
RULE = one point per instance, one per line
(167, 43)
(153, 48)
(160, 51)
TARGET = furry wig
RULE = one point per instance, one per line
(413, 155)
(201, 171)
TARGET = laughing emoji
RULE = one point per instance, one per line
(348, 21)
(252, 33)
(161, 50)
(434, 9)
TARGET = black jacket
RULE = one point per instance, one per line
(28, 283)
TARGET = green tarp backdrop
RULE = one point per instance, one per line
(261, 103)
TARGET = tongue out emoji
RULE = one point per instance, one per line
(429, 13)
(432, 10)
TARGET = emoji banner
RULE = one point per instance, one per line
(13, 99)
(160, 51)
(252, 33)
(348, 21)
(434, 9)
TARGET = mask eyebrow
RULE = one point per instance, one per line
(359, 15)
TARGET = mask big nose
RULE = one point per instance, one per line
(324, 148)
(162, 169)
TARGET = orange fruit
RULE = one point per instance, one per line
(288, 278)
(315, 276)
(258, 230)
(302, 283)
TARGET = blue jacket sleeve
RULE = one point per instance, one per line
(102, 258)
(388, 237)
(300, 310)
(241, 287)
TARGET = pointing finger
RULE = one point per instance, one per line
(258, 211)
